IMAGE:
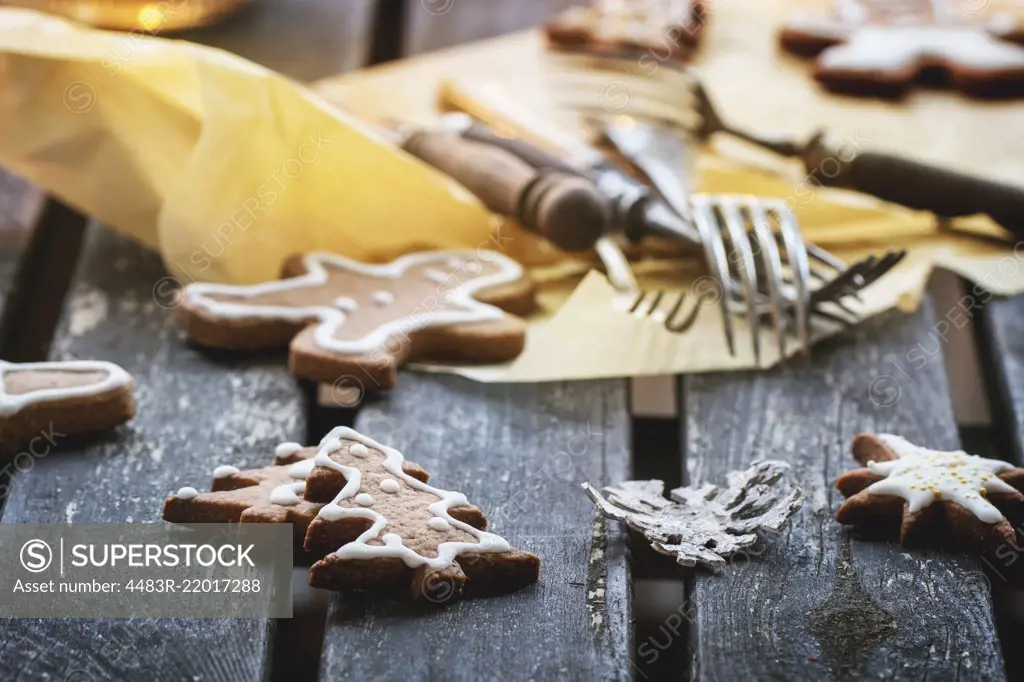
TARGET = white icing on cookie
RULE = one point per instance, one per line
(12, 404)
(364, 500)
(346, 304)
(288, 494)
(301, 469)
(383, 298)
(286, 449)
(330, 444)
(390, 485)
(186, 493)
(225, 470)
(358, 450)
(435, 275)
(393, 547)
(465, 307)
(922, 476)
(437, 523)
(881, 37)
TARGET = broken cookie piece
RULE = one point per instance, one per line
(49, 400)
(269, 495)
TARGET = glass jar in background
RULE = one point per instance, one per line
(152, 16)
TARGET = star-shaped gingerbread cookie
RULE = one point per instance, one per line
(387, 529)
(930, 494)
(881, 47)
(346, 319)
(41, 402)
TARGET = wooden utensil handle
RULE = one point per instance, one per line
(917, 185)
(944, 192)
(531, 154)
(567, 209)
(498, 179)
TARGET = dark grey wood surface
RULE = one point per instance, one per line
(1002, 335)
(19, 207)
(818, 605)
(194, 412)
(519, 452)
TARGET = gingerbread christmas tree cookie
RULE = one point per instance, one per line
(273, 494)
(344, 318)
(389, 529)
(881, 47)
(47, 400)
(930, 495)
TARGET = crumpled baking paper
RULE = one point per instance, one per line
(222, 166)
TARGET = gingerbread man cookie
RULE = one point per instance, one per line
(54, 399)
(344, 318)
(666, 29)
(386, 528)
(881, 47)
(930, 494)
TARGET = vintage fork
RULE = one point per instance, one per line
(743, 223)
(738, 228)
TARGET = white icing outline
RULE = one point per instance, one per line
(932, 472)
(393, 461)
(11, 404)
(331, 319)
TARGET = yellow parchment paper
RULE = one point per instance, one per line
(221, 165)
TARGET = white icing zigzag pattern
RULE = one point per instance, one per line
(332, 318)
(12, 404)
(922, 476)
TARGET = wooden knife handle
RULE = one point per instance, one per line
(533, 155)
(495, 177)
(566, 209)
(918, 185)
(944, 192)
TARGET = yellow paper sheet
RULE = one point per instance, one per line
(224, 167)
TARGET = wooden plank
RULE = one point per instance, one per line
(303, 39)
(1001, 330)
(519, 452)
(195, 411)
(433, 24)
(818, 604)
(20, 203)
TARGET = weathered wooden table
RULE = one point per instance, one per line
(815, 605)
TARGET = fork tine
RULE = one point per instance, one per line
(836, 289)
(772, 271)
(796, 252)
(714, 252)
(736, 228)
